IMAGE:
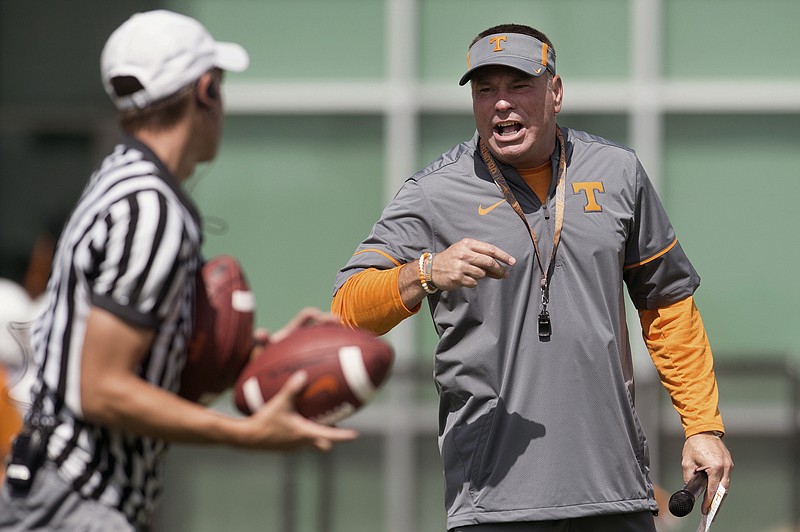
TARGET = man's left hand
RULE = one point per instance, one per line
(706, 451)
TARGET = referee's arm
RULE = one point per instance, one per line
(113, 395)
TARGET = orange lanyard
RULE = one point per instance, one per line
(545, 327)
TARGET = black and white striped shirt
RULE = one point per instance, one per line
(131, 247)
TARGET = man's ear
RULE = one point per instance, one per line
(558, 92)
(207, 91)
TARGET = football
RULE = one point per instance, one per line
(345, 368)
(223, 330)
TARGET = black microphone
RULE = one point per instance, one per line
(682, 501)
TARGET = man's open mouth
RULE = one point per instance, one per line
(507, 128)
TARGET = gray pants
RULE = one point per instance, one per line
(51, 504)
(633, 522)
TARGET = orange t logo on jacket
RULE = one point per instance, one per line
(589, 188)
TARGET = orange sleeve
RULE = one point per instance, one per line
(678, 345)
(371, 300)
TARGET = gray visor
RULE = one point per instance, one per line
(515, 50)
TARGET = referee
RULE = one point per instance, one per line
(112, 340)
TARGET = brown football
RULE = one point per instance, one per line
(345, 368)
(223, 330)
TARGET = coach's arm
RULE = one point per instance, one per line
(677, 342)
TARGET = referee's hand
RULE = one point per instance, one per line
(277, 426)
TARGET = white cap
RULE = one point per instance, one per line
(165, 52)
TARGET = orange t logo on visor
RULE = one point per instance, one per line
(496, 41)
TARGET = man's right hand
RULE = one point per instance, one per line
(464, 264)
(467, 262)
